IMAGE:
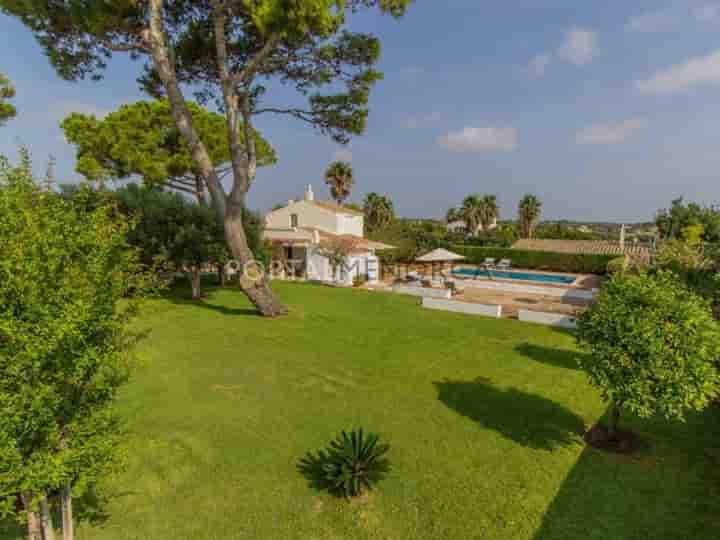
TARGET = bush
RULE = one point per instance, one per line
(360, 280)
(581, 263)
(617, 265)
(352, 463)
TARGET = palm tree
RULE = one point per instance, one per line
(470, 213)
(529, 215)
(379, 211)
(489, 211)
(339, 176)
(453, 214)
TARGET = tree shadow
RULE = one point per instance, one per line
(547, 355)
(668, 490)
(530, 420)
(182, 296)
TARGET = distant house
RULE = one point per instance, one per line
(302, 230)
(458, 226)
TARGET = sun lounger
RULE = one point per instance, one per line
(489, 262)
(505, 264)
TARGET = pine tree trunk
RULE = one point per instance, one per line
(195, 279)
(257, 288)
(221, 274)
(68, 527)
(33, 519)
(613, 419)
(46, 521)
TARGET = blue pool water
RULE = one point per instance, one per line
(523, 276)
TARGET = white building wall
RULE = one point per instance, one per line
(309, 215)
(350, 224)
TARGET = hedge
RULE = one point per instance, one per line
(579, 263)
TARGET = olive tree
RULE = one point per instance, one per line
(69, 283)
(234, 52)
(652, 347)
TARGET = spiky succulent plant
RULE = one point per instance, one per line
(352, 463)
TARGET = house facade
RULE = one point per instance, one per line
(305, 233)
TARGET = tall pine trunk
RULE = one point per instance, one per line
(46, 521)
(257, 288)
(68, 527)
(34, 528)
(195, 279)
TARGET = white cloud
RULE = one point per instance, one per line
(694, 71)
(539, 64)
(653, 21)
(486, 139)
(707, 13)
(580, 46)
(611, 133)
(343, 154)
(420, 120)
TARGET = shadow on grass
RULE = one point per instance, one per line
(669, 491)
(181, 295)
(551, 356)
(527, 419)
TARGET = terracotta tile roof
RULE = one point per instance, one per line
(360, 242)
(333, 207)
(599, 247)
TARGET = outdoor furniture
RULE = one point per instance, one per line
(505, 264)
(489, 262)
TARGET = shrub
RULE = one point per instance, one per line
(652, 345)
(581, 263)
(360, 280)
(352, 463)
(617, 265)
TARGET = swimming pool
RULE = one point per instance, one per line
(521, 276)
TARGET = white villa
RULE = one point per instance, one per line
(300, 230)
(459, 226)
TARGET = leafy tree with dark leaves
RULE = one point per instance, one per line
(141, 139)
(7, 91)
(379, 211)
(652, 347)
(232, 52)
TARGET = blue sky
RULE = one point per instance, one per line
(606, 110)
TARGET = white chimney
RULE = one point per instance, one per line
(622, 237)
(309, 195)
(316, 237)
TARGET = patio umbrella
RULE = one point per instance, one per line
(440, 255)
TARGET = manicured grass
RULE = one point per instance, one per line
(483, 416)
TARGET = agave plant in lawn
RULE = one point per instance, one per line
(352, 463)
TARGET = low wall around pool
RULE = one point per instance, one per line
(505, 286)
(422, 291)
(549, 319)
(462, 307)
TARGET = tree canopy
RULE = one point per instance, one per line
(69, 283)
(529, 210)
(683, 219)
(379, 211)
(339, 176)
(652, 347)
(142, 139)
(7, 91)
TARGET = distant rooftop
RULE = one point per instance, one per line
(599, 247)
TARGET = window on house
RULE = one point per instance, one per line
(293, 220)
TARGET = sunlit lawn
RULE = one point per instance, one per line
(484, 418)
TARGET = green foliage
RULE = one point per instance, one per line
(581, 263)
(339, 176)
(352, 463)
(360, 280)
(563, 231)
(652, 346)
(672, 223)
(529, 210)
(69, 284)
(410, 238)
(379, 211)
(618, 265)
(7, 91)
(141, 139)
(478, 211)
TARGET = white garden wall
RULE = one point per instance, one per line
(527, 289)
(462, 307)
(422, 291)
(549, 319)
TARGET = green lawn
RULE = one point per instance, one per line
(483, 416)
